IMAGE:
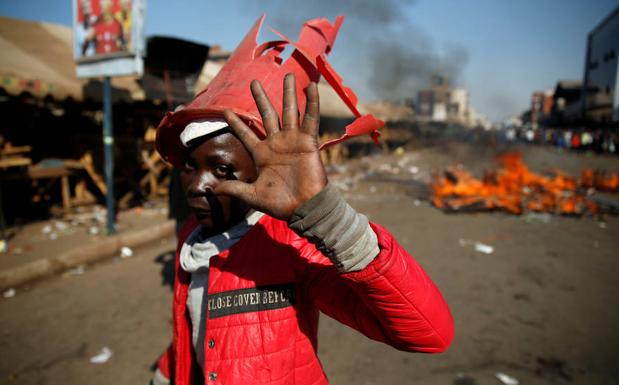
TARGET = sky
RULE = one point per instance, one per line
(500, 51)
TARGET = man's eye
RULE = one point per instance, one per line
(188, 165)
(222, 170)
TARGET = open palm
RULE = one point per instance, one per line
(288, 161)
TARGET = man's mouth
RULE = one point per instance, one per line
(201, 212)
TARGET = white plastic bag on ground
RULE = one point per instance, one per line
(102, 357)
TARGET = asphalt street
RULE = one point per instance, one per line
(541, 307)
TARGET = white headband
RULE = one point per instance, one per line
(200, 128)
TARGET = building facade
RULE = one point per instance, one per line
(601, 78)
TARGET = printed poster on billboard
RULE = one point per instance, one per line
(108, 37)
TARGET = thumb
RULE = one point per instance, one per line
(237, 189)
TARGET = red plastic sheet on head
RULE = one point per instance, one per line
(250, 61)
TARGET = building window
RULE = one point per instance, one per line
(593, 65)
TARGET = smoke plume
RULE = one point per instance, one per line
(379, 52)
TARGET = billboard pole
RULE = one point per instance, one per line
(108, 152)
(108, 41)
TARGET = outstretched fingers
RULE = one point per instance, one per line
(311, 120)
(244, 133)
(290, 112)
(270, 119)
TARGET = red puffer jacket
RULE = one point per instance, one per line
(264, 298)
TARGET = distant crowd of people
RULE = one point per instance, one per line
(598, 140)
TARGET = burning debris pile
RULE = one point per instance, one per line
(515, 189)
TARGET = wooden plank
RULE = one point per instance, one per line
(73, 164)
(15, 162)
(87, 162)
(35, 172)
(13, 150)
(66, 194)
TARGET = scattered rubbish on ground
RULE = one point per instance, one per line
(463, 379)
(94, 230)
(58, 228)
(126, 252)
(603, 225)
(9, 293)
(464, 242)
(79, 270)
(552, 366)
(483, 248)
(533, 217)
(59, 225)
(506, 379)
(522, 296)
(4, 246)
(102, 357)
(478, 246)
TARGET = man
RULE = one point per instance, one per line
(272, 244)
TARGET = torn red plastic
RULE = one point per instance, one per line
(250, 61)
(366, 124)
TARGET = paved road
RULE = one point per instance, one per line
(49, 332)
(542, 307)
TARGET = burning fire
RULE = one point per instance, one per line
(515, 189)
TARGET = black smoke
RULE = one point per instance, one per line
(379, 51)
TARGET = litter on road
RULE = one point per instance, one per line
(126, 252)
(483, 248)
(79, 270)
(478, 246)
(507, 379)
(9, 293)
(102, 357)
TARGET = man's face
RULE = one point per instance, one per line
(210, 161)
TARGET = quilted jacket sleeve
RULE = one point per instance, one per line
(165, 366)
(391, 300)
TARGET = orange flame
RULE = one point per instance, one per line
(514, 188)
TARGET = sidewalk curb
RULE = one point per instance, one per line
(19, 275)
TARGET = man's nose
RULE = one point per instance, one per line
(202, 183)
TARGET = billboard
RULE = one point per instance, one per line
(108, 37)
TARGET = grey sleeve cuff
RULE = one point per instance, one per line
(337, 230)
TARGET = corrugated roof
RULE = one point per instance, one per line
(37, 57)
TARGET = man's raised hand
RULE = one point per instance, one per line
(288, 161)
